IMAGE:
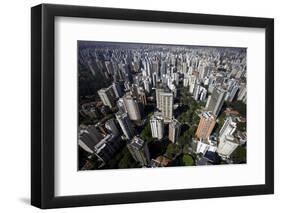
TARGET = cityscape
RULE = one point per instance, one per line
(158, 105)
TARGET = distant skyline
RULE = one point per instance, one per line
(87, 43)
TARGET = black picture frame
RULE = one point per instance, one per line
(43, 102)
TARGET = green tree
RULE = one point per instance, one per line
(186, 148)
(173, 150)
(185, 138)
(187, 160)
(239, 155)
(241, 126)
(146, 133)
(191, 130)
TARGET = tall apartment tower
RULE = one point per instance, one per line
(206, 125)
(117, 90)
(166, 105)
(107, 96)
(227, 146)
(112, 127)
(142, 96)
(139, 150)
(89, 138)
(174, 130)
(125, 124)
(121, 106)
(242, 94)
(158, 91)
(191, 83)
(157, 126)
(215, 101)
(132, 107)
(228, 128)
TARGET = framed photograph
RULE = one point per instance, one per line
(139, 106)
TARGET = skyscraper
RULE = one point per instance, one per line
(117, 90)
(132, 107)
(174, 130)
(232, 88)
(154, 79)
(147, 84)
(166, 105)
(242, 94)
(158, 91)
(203, 71)
(107, 147)
(199, 93)
(191, 83)
(89, 138)
(227, 146)
(215, 101)
(112, 127)
(125, 124)
(139, 150)
(228, 128)
(121, 106)
(157, 126)
(205, 145)
(142, 96)
(231, 94)
(109, 67)
(206, 125)
(107, 96)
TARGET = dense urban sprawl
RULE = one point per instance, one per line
(145, 105)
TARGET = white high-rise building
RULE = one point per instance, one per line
(174, 130)
(117, 90)
(125, 124)
(215, 101)
(88, 138)
(231, 94)
(157, 126)
(158, 91)
(166, 105)
(107, 96)
(232, 88)
(228, 128)
(199, 93)
(147, 84)
(191, 83)
(109, 67)
(154, 79)
(175, 78)
(204, 145)
(121, 106)
(139, 151)
(112, 127)
(185, 80)
(242, 94)
(212, 84)
(203, 71)
(227, 146)
(132, 107)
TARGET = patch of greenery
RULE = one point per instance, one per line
(185, 138)
(241, 126)
(127, 161)
(239, 155)
(123, 159)
(146, 133)
(187, 160)
(173, 150)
